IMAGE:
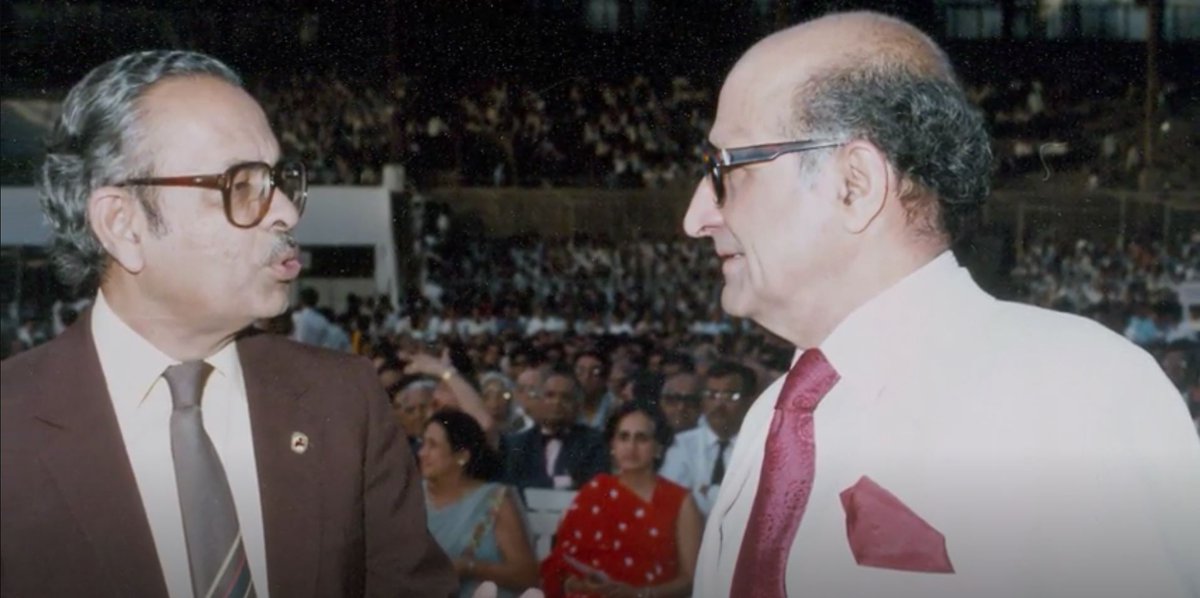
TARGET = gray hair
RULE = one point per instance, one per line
(96, 142)
(924, 124)
(419, 384)
(489, 377)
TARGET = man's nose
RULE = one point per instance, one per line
(702, 215)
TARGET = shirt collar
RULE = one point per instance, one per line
(877, 338)
(132, 365)
(708, 436)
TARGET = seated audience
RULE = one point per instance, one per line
(557, 452)
(680, 401)
(499, 398)
(412, 402)
(453, 389)
(630, 534)
(591, 371)
(477, 522)
(698, 458)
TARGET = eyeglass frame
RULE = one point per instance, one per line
(716, 160)
(726, 396)
(507, 395)
(224, 182)
(532, 391)
(681, 397)
(593, 371)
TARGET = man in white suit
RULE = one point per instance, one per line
(964, 446)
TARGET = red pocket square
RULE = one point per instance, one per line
(885, 533)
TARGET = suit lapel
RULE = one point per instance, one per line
(536, 459)
(289, 480)
(82, 447)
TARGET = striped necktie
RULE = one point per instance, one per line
(210, 525)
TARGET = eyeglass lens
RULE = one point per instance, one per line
(251, 187)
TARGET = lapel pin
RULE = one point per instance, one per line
(299, 442)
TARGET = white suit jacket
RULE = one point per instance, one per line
(1053, 455)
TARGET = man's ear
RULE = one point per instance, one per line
(117, 220)
(867, 185)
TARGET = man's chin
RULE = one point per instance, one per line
(734, 302)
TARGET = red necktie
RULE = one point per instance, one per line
(785, 482)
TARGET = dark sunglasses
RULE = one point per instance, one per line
(246, 188)
(717, 161)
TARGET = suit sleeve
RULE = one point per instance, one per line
(513, 452)
(402, 558)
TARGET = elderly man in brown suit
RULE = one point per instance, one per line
(156, 448)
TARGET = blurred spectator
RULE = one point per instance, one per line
(630, 534)
(591, 372)
(680, 401)
(310, 325)
(499, 394)
(452, 389)
(476, 521)
(557, 452)
(412, 402)
(698, 458)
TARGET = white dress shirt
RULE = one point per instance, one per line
(142, 401)
(310, 327)
(1053, 455)
(689, 463)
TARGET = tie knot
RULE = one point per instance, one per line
(186, 381)
(807, 382)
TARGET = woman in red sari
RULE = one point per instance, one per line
(633, 534)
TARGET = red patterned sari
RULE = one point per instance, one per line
(612, 529)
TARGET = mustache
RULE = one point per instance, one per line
(285, 246)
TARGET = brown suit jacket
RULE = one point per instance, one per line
(345, 518)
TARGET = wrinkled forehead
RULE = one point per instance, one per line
(756, 101)
(206, 120)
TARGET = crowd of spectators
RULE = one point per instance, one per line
(497, 294)
(533, 363)
(1120, 286)
(646, 132)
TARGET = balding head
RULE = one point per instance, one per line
(844, 157)
(812, 50)
(892, 86)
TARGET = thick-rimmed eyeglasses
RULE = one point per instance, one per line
(718, 161)
(246, 188)
(729, 396)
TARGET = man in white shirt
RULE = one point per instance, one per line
(955, 445)
(309, 325)
(699, 458)
(159, 447)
